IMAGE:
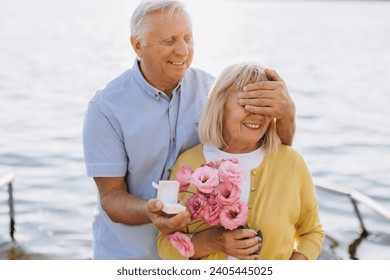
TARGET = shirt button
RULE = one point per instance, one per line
(253, 189)
(250, 207)
(168, 170)
(253, 172)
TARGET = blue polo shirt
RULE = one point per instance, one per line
(132, 129)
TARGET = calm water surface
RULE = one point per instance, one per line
(333, 55)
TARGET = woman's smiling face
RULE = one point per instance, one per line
(242, 130)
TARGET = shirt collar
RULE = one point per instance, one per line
(154, 92)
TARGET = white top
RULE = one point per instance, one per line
(248, 161)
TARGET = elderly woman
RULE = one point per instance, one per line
(278, 189)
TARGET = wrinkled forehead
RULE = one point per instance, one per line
(164, 16)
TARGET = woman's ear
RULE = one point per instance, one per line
(136, 46)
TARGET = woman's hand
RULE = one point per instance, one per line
(239, 243)
(297, 256)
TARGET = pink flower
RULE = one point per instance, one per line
(182, 243)
(234, 160)
(233, 216)
(204, 179)
(183, 176)
(231, 171)
(217, 200)
(213, 164)
(211, 211)
(196, 204)
(227, 193)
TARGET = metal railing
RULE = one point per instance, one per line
(356, 198)
(7, 180)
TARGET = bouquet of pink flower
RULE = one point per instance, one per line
(217, 200)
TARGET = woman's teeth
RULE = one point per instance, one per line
(252, 125)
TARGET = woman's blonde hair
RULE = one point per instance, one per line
(232, 79)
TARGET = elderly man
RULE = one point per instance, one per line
(141, 121)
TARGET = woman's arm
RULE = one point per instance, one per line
(240, 243)
(308, 229)
(214, 243)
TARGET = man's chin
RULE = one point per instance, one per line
(178, 76)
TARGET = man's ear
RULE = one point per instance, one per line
(136, 46)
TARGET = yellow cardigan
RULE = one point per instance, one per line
(282, 204)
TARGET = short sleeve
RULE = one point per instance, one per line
(104, 151)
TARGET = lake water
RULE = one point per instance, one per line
(333, 55)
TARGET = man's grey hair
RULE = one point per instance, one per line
(138, 23)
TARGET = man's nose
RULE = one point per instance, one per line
(182, 48)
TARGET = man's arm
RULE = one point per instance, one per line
(272, 98)
(286, 130)
(126, 208)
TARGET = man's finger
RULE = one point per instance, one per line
(254, 86)
(272, 75)
(260, 110)
(261, 86)
(169, 224)
(259, 102)
(255, 94)
(155, 205)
